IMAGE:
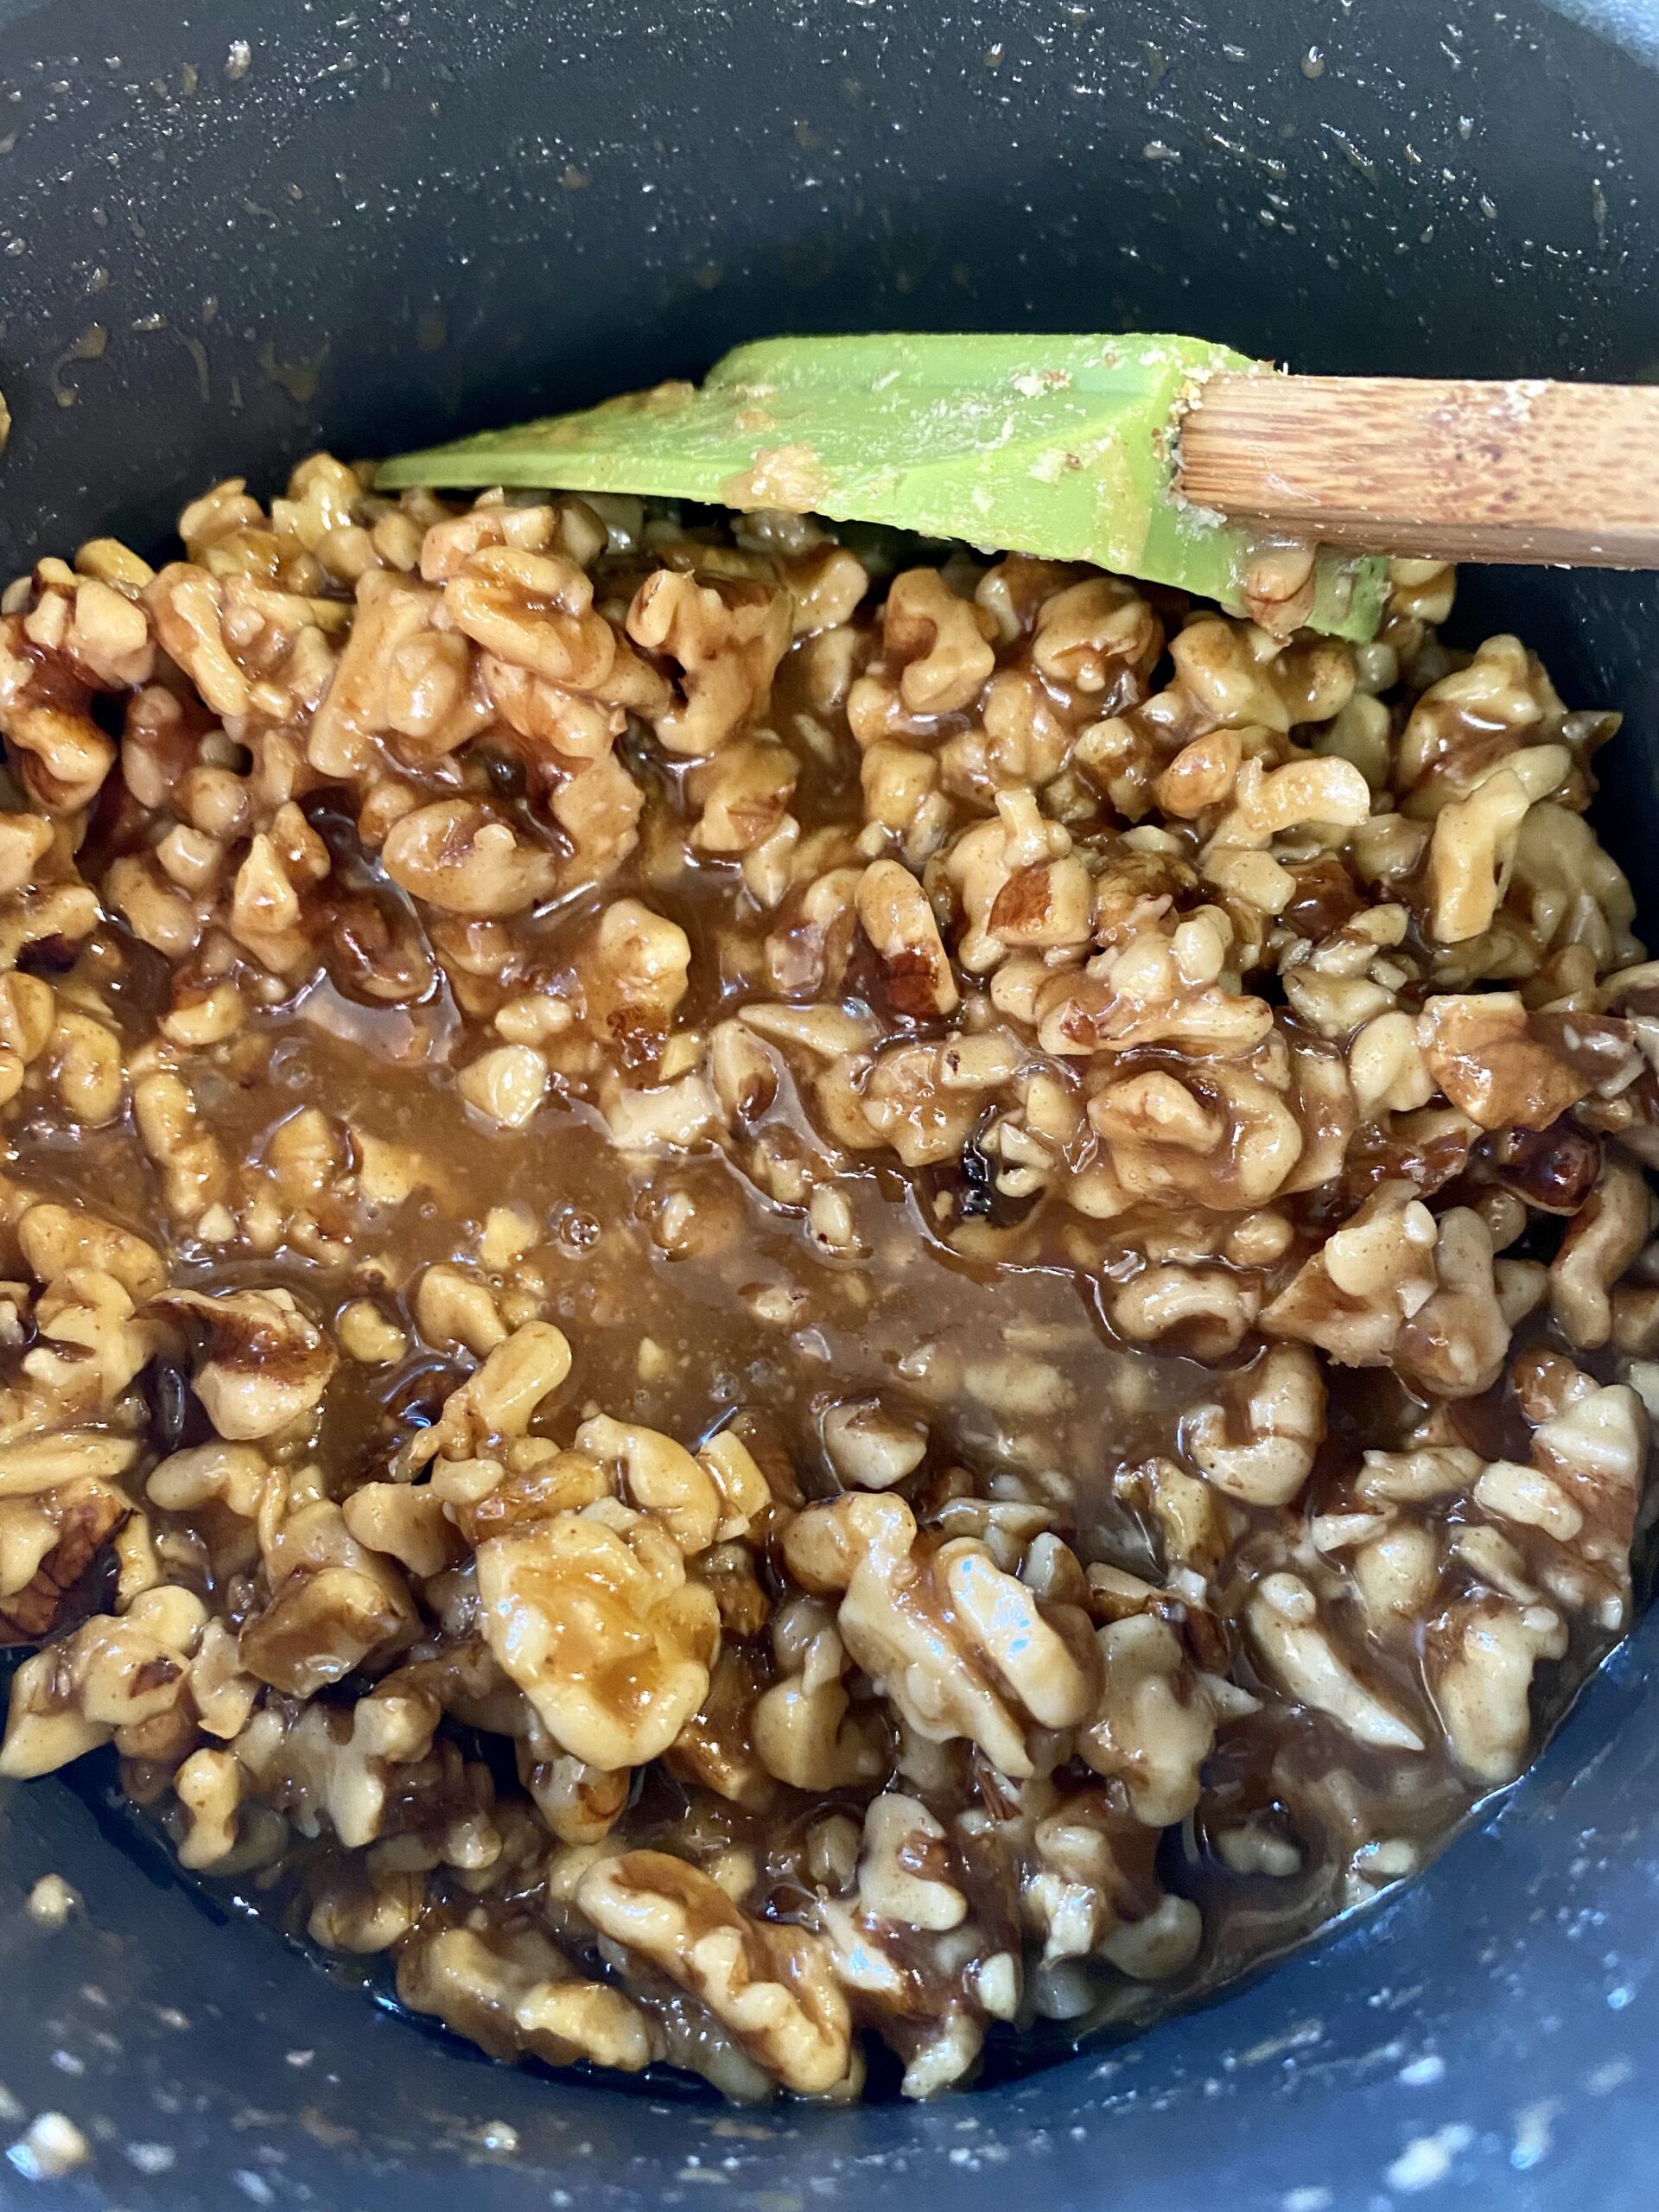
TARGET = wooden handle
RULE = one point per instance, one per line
(1528, 472)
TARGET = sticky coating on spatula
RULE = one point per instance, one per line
(1060, 447)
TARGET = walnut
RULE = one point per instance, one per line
(461, 856)
(124, 1678)
(1155, 1724)
(1258, 1448)
(727, 637)
(962, 1648)
(334, 1606)
(1366, 1281)
(591, 1614)
(898, 920)
(1480, 1661)
(1484, 1054)
(267, 1363)
(802, 1726)
(511, 1989)
(1572, 1508)
(772, 1986)
(1300, 1654)
(1455, 1343)
(48, 1538)
(1602, 1239)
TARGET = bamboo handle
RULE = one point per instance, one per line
(1525, 472)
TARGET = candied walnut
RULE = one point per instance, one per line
(1455, 1343)
(802, 1727)
(535, 611)
(1015, 1664)
(898, 920)
(497, 1403)
(64, 756)
(660, 1477)
(1602, 1239)
(124, 1679)
(55, 1239)
(267, 1363)
(1364, 1283)
(1480, 1661)
(1476, 841)
(772, 1986)
(728, 638)
(1211, 1136)
(935, 642)
(334, 1606)
(1572, 1508)
(591, 1614)
(1155, 1725)
(1485, 1055)
(511, 1989)
(1204, 1312)
(464, 858)
(1301, 1655)
(48, 1540)
(633, 966)
(1257, 1445)
(870, 1448)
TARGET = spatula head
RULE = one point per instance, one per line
(1058, 447)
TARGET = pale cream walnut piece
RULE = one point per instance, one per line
(1300, 1652)
(1571, 1508)
(1257, 1443)
(266, 1363)
(869, 1446)
(962, 1648)
(463, 858)
(208, 1787)
(124, 1679)
(591, 1614)
(1351, 1300)
(1479, 1664)
(510, 1989)
(1455, 1344)
(802, 1730)
(772, 1986)
(633, 965)
(195, 1174)
(896, 917)
(505, 1085)
(1476, 840)
(497, 1403)
(1266, 803)
(659, 1476)
(56, 1238)
(1155, 1725)
(1602, 1240)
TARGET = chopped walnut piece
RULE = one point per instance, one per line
(513, 1990)
(772, 1986)
(266, 1364)
(591, 1614)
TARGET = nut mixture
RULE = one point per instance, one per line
(786, 1302)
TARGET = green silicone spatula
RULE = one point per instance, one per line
(1169, 459)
